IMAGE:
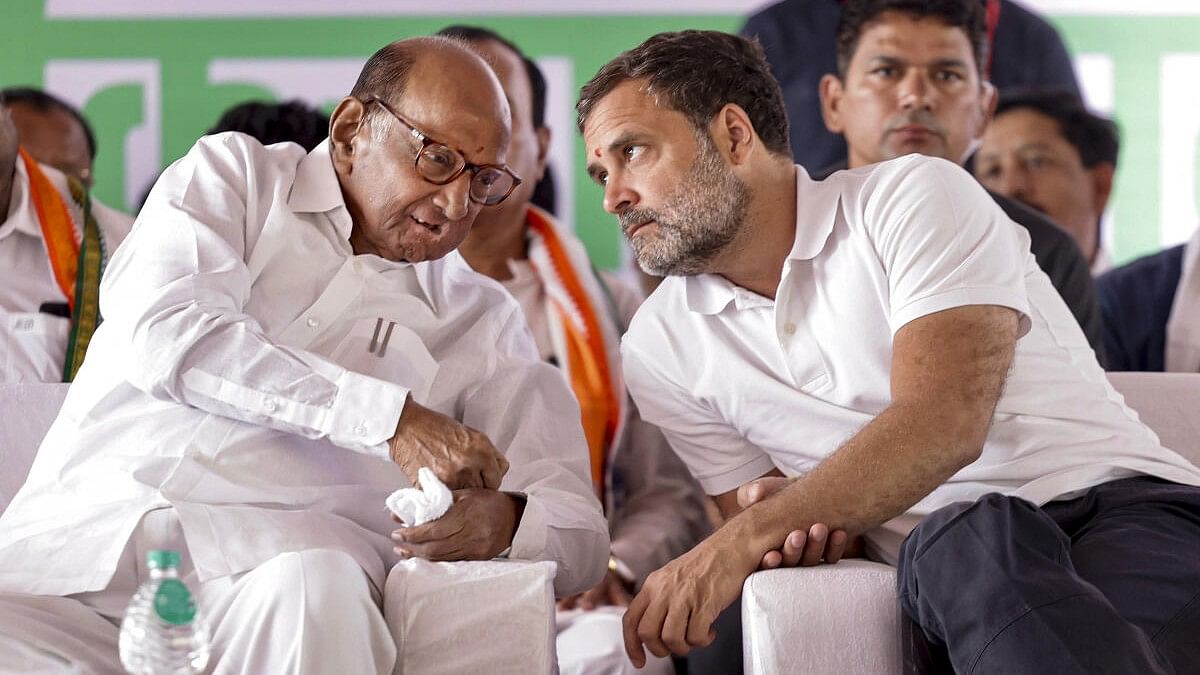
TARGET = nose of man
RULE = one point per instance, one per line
(914, 91)
(454, 198)
(618, 196)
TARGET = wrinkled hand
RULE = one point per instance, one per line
(460, 456)
(800, 548)
(610, 591)
(678, 603)
(479, 525)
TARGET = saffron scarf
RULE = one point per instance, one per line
(578, 301)
(76, 257)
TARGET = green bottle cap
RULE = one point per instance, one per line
(162, 559)
(173, 603)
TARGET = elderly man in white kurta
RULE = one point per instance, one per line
(288, 338)
(54, 242)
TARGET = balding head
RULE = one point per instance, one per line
(445, 94)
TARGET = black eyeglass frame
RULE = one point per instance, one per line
(427, 141)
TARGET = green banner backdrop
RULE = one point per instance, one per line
(152, 85)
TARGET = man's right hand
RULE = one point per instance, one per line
(800, 548)
(460, 456)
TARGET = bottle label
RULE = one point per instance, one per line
(173, 603)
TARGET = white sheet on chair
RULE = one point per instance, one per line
(825, 620)
(494, 616)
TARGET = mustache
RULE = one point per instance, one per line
(634, 217)
(921, 118)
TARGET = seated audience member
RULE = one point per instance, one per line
(909, 79)
(655, 509)
(800, 41)
(1047, 151)
(290, 336)
(54, 243)
(1151, 311)
(52, 131)
(272, 123)
(885, 338)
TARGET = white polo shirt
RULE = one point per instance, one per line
(741, 384)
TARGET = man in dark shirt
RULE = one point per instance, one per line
(909, 80)
(798, 37)
(1137, 299)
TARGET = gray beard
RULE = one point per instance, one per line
(699, 221)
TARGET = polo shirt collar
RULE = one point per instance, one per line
(816, 210)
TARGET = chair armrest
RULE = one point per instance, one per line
(841, 618)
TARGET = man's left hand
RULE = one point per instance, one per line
(678, 603)
(610, 591)
(478, 526)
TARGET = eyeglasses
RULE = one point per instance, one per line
(440, 164)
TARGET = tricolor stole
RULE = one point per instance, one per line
(76, 258)
(592, 381)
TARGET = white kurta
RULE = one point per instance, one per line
(233, 379)
(33, 344)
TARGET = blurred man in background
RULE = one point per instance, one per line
(1045, 149)
(55, 241)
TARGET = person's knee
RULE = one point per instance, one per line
(963, 533)
(991, 518)
(320, 580)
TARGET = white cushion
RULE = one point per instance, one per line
(494, 616)
(831, 619)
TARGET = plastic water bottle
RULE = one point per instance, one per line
(162, 632)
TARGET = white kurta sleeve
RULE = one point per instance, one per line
(177, 290)
(526, 409)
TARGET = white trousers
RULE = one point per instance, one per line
(591, 643)
(303, 612)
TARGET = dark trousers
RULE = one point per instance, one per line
(1108, 582)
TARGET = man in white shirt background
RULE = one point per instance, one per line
(886, 338)
(54, 243)
(577, 315)
(289, 336)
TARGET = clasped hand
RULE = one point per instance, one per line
(478, 526)
(678, 603)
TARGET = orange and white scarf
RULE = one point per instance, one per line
(581, 308)
(76, 256)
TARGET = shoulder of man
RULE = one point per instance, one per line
(1048, 240)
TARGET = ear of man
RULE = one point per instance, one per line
(345, 125)
(1102, 176)
(831, 91)
(543, 157)
(733, 134)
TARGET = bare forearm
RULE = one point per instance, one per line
(891, 464)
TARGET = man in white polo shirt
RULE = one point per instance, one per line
(886, 338)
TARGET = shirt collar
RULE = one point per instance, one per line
(316, 190)
(22, 217)
(816, 210)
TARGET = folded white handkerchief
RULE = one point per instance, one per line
(417, 506)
